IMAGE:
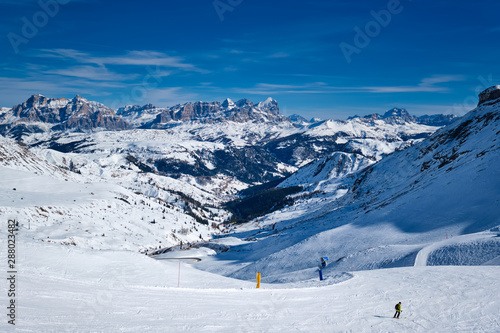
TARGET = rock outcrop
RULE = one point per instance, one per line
(64, 114)
(489, 95)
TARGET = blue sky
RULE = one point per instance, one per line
(330, 59)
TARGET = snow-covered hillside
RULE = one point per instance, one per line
(68, 289)
(444, 187)
(58, 206)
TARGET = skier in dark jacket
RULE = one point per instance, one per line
(398, 310)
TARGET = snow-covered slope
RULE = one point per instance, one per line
(446, 186)
(67, 289)
(59, 206)
(13, 156)
(449, 179)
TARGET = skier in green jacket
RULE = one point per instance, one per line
(398, 310)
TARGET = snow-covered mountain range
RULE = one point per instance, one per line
(204, 153)
(40, 113)
(218, 147)
(401, 116)
(149, 116)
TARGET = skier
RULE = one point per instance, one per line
(321, 266)
(398, 310)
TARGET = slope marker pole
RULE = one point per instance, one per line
(179, 276)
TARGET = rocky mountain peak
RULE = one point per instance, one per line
(395, 112)
(402, 116)
(298, 119)
(35, 101)
(244, 103)
(63, 114)
(396, 115)
(269, 104)
(228, 104)
(490, 95)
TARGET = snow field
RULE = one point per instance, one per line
(96, 215)
(67, 289)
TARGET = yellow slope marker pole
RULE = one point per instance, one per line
(258, 280)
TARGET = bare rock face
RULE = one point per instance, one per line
(489, 95)
(67, 114)
(209, 112)
(39, 108)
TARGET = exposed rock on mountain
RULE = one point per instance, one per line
(241, 111)
(490, 95)
(297, 119)
(61, 114)
(437, 119)
(149, 116)
(401, 116)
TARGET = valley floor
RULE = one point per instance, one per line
(67, 289)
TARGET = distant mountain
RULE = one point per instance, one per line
(137, 115)
(437, 119)
(40, 113)
(301, 121)
(401, 116)
(297, 119)
(219, 146)
(205, 112)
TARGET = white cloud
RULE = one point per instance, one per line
(18, 90)
(94, 73)
(131, 58)
(270, 89)
(164, 97)
(426, 85)
(279, 55)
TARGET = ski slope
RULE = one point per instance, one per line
(462, 250)
(74, 275)
(69, 289)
